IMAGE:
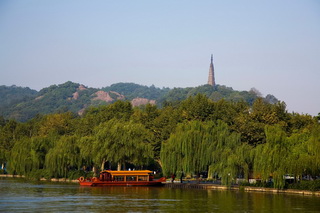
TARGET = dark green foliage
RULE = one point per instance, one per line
(132, 90)
(196, 146)
(122, 142)
(2, 121)
(298, 122)
(23, 104)
(160, 123)
(214, 93)
(269, 157)
(38, 174)
(13, 95)
(197, 107)
(94, 116)
(64, 155)
(75, 174)
(63, 90)
(175, 95)
(305, 185)
(250, 122)
(54, 99)
(8, 138)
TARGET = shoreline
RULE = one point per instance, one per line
(198, 186)
(241, 188)
(65, 180)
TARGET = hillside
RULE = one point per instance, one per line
(23, 104)
(10, 95)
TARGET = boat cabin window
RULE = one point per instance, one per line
(142, 178)
(118, 178)
(131, 178)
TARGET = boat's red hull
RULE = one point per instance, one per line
(122, 183)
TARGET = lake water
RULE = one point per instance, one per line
(18, 195)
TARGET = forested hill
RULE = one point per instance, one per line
(12, 95)
(23, 104)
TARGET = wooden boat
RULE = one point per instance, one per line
(123, 178)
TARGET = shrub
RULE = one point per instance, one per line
(311, 185)
(75, 174)
(38, 174)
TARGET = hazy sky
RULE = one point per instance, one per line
(271, 45)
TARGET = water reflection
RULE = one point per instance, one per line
(17, 195)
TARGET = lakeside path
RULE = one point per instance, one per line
(209, 186)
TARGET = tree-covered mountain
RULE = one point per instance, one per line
(10, 95)
(22, 104)
(132, 90)
(56, 98)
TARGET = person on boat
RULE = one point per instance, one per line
(172, 178)
(181, 177)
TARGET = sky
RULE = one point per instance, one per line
(271, 45)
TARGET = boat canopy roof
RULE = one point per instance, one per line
(127, 173)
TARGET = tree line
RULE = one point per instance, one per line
(226, 139)
(22, 104)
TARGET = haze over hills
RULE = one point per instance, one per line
(23, 104)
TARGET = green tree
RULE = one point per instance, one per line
(20, 160)
(8, 137)
(250, 123)
(121, 110)
(197, 108)
(56, 124)
(87, 152)
(270, 158)
(305, 154)
(64, 156)
(123, 142)
(196, 146)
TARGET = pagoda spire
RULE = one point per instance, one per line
(211, 80)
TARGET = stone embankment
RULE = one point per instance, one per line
(43, 179)
(241, 188)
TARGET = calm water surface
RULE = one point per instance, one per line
(17, 195)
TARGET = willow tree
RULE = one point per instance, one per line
(123, 142)
(40, 146)
(306, 153)
(271, 157)
(313, 147)
(187, 150)
(8, 137)
(20, 160)
(230, 158)
(298, 161)
(63, 156)
(196, 146)
(28, 154)
(87, 152)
